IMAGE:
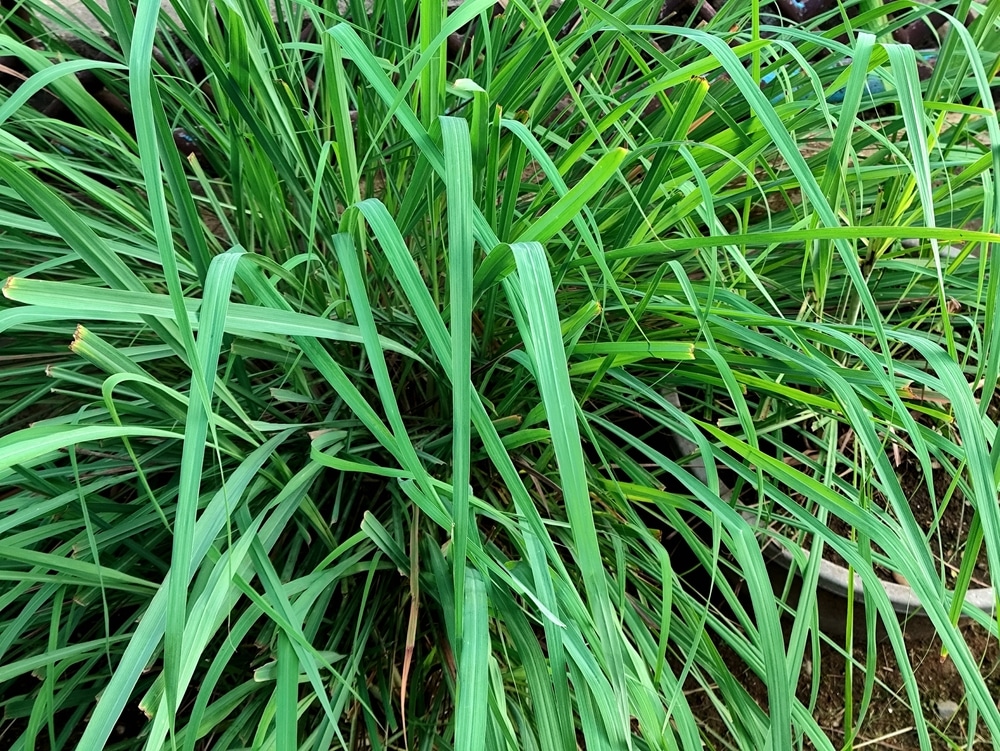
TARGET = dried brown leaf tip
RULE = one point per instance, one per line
(78, 335)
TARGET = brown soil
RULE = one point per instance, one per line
(945, 520)
(889, 721)
(947, 534)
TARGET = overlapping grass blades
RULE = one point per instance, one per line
(360, 440)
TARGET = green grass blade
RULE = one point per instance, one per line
(560, 407)
(568, 206)
(473, 668)
(149, 633)
(458, 167)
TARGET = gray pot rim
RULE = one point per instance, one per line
(833, 577)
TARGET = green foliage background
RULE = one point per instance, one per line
(363, 437)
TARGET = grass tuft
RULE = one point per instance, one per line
(427, 375)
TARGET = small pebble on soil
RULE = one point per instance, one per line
(946, 709)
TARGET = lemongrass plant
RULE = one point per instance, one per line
(362, 303)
